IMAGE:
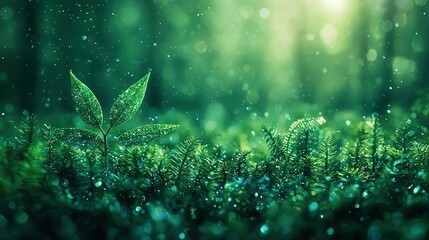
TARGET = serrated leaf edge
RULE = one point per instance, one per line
(74, 78)
(128, 104)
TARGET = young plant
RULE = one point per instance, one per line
(123, 109)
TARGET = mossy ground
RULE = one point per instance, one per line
(346, 178)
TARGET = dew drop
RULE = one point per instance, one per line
(416, 189)
(98, 184)
(313, 206)
(264, 229)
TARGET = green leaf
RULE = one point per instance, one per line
(127, 104)
(144, 134)
(86, 103)
(78, 137)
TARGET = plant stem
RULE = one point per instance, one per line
(106, 155)
(105, 147)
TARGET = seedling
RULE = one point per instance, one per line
(123, 109)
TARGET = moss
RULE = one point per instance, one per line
(306, 182)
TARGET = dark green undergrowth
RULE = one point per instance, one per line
(310, 179)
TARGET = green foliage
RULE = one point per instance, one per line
(377, 159)
(79, 137)
(275, 141)
(183, 162)
(292, 153)
(328, 152)
(123, 109)
(310, 178)
(86, 103)
(144, 134)
(28, 132)
(127, 104)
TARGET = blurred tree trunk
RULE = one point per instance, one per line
(304, 80)
(377, 76)
(364, 74)
(28, 76)
(155, 85)
(9, 61)
(422, 57)
(383, 93)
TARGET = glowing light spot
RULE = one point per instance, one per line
(129, 15)
(21, 217)
(321, 120)
(371, 55)
(200, 47)
(264, 13)
(416, 189)
(6, 13)
(328, 34)
(335, 5)
(313, 206)
(386, 26)
(98, 184)
(264, 229)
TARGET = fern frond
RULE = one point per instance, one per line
(182, 162)
(305, 156)
(376, 142)
(300, 125)
(328, 152)
(404, 139)
(421, 155)
(292, 152)
(211, 167)
(49, 135)
(31, 175)
(242, 168)
(28, 132)
(275, 144)
(356, 152)
(141, 163)
(221, 171)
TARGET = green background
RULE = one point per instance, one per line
(217, 61)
